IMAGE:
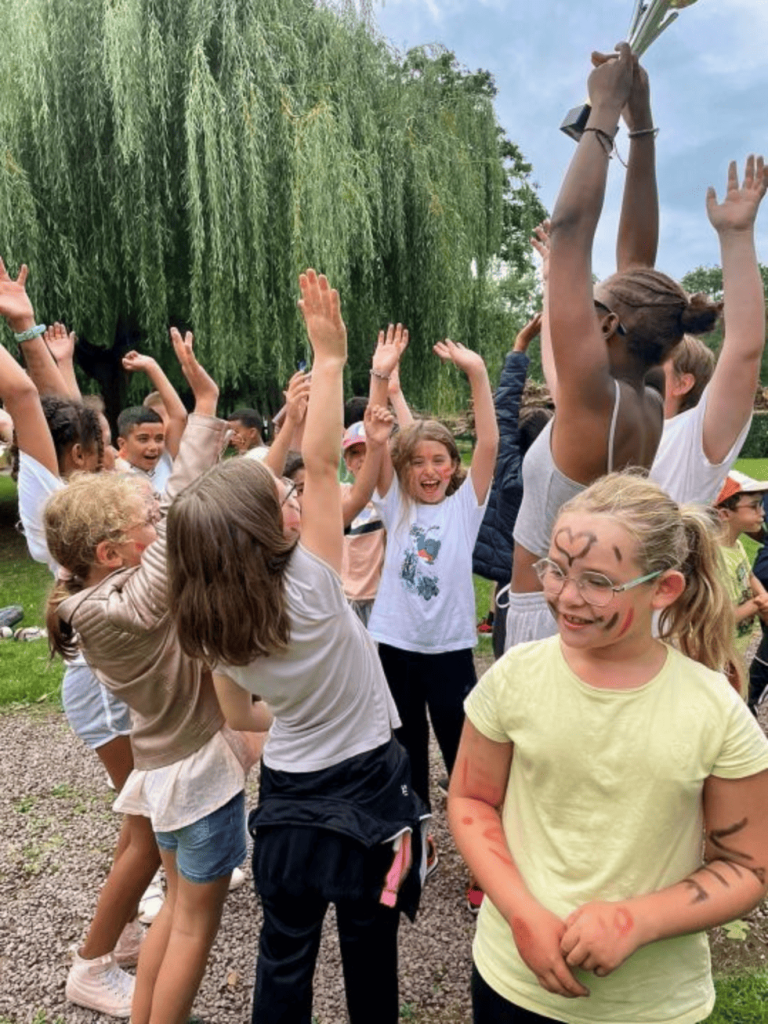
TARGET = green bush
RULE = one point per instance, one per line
(756, 444)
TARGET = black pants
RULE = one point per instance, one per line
(758, 672)
(290, 938)
(488, 1007)
(439, 682)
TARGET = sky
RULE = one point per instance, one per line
(709, 92)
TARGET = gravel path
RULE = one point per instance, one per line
(55, 850)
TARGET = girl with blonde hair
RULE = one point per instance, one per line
(612, 754)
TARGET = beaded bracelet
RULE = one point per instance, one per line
(643, 131)
(30, 333)
(379, 376)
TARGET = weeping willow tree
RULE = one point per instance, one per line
(179, 161)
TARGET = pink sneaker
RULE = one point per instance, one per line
(100, 985)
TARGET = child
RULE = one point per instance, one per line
(492, 556)
(424, 614)
(740, 507)
(189, 774)
(246, 426)
(268, 611)
(57, 437)
(607, 750)
(141, 446)
(364, 537)
(604, 338)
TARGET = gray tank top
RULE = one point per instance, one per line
(546, 489)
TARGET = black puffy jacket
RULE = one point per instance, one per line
(492, 557)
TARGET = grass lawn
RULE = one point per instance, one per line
(26, 673)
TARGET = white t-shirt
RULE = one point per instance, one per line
(426, 599)
(604, 801)
(681, 468)
(327, 691)
(158, 477)
(35, 486)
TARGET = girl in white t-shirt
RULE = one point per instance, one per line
(424, 614)
(337, 820)
(613, 755)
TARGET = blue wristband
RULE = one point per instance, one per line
(28, 335)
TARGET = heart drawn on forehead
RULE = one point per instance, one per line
(573, 545)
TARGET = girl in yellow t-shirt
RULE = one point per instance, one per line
(609, 751)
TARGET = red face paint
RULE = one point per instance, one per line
(622, 921)
(467, 821)
(627, 622)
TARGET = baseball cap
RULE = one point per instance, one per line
(353, 435)
(740, 483)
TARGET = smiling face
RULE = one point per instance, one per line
(140, 534)
(583, 546)
(431, 470)
(143, 445)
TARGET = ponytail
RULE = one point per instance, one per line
(62, 638)
(701, 622)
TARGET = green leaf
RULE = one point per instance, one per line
(736, 930)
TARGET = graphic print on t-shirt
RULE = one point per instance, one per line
(418, 569)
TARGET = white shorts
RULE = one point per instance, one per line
(96, 715)
(528, 618)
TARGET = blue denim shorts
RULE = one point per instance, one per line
(211, 847)
(94, 714)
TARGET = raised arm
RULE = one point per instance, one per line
(478, 784)
(732, 388)
(638, 238)
(584, 381)
(378, 427)
(390, 346)
(296, 399)
(134, 362)
(61, 345)
(17, 309)
(486, 427)
(400, 408)
(732, 880)
(322, 532)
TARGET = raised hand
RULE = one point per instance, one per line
(297, 397)
(378, 424)
(738, 210)
(611, 81)
(637, 112)
(540, 243)
(321, 309)
(599, 937)
(60, 342)
(204, 388)
(453, 352)
(390, 346)
(14, 301)
(135, 362)
(528, 332)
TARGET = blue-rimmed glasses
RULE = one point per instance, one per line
(595, 588)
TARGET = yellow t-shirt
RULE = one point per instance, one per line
(736, 572)
(604, 801)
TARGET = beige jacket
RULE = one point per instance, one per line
(129, 639)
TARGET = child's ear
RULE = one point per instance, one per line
(682, 384)
(107, 556)
(77, 455)
(120, 445)
(669, 587)
(723, 514)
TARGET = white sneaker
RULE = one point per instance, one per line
(128, 945)
(100, 985)
(237, 879)
(152, 900)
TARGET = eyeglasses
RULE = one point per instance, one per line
(620, 328)
(290, 489)
(754, 504)
(595, 588)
